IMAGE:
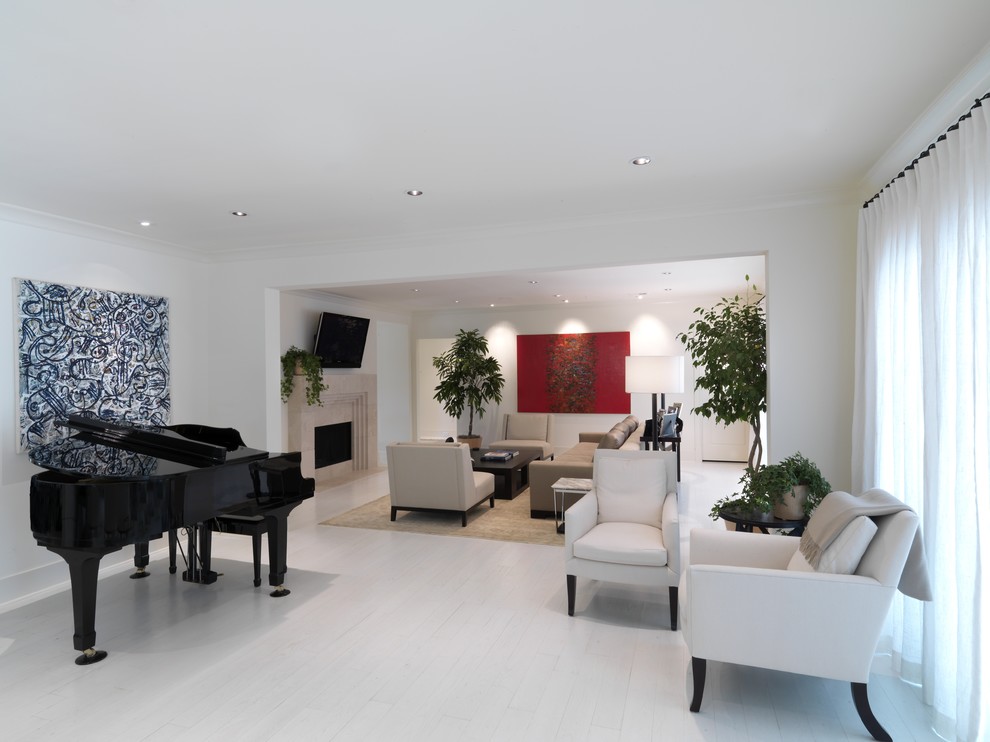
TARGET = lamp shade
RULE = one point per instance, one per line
(655, 374)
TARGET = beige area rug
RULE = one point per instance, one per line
(508, 521)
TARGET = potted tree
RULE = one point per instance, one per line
(729, 343)
(789, 490)
(299, 362)
(469, 378)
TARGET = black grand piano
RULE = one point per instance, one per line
(115, 484)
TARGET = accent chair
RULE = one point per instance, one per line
(436, 476)
(754, 599)
(626, 528)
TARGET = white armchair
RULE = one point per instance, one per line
(526, 430)
(742, 593)
(626, 529)
(436, 476)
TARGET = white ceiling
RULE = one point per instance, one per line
(316, 117)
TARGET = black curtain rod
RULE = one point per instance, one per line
(916, 160)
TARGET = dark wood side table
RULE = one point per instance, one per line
(745, 522)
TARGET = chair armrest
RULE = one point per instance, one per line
(712, 546)
(805, 622)
(590, 437)
(579, 518)
(671, 528)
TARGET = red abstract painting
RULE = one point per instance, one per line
(583, 373)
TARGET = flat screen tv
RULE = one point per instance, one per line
(340, 340)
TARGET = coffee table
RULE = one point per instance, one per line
(512, 476)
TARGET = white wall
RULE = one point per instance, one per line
(387, 354)
(810, 283)
(81, 259)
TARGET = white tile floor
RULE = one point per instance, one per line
(393, 636)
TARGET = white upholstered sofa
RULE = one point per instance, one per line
(436, 476)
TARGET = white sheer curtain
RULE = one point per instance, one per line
(921, 417)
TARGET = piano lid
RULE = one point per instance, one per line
(118, 449)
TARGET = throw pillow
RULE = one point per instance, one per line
(611, 440)
(630, 489)
(843, 555)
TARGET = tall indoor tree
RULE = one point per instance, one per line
(469, 377)
(728, 343)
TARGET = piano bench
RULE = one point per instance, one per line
(244, 525)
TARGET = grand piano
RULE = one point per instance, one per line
(114, 484)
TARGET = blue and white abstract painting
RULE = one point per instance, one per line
(84, 350)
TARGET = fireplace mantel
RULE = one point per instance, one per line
(351, 398)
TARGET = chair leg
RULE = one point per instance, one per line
(698, 666)
(464, 519)
(862, 703)
(393, 513)
(571, 590)
(672, 592)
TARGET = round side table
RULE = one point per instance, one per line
(746, 523)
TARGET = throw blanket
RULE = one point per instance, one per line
(838, 510)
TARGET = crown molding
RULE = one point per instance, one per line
(971, 84)
(63, 225)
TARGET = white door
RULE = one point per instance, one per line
(724, 442)
(432, 423)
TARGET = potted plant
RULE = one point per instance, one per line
(789, 490)
(469, 378)
(299, 362)
(729, 342)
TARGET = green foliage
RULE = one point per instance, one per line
(469, 377)
(728, 342)
(312, 369)
(766, 486)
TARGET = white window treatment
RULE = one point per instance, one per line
(921, 425)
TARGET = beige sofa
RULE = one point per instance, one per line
(526, 430)
(577, 462)
(436, 476)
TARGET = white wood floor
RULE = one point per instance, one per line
(394, 636)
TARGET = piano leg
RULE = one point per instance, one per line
(172, 540)
(141, 560)
(199, 555)
(84, 568)
(278, 527)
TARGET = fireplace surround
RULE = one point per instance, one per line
(351, 398)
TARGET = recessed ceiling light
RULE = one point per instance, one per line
(239, 213)
(415, 291)
(641, 161)
(414, 192)
(534, 282)
(668, 289)
(567, 301)
(640, 295)
(666, 273)
(145, 224)
(556, 296)
(491, 305)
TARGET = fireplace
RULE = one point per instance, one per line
(331, 444)
(352, 400)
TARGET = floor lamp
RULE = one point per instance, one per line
(655, 375)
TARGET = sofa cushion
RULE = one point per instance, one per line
(630, 489)
(623, 543)
(843, 555)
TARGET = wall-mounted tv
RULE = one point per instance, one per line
(340, 340)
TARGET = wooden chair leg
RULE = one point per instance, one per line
(862, 703)
(672, 592)
(393, 513)
(571, 590)
(698, 667)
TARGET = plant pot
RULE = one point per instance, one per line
(473, 441)
(792, 506)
